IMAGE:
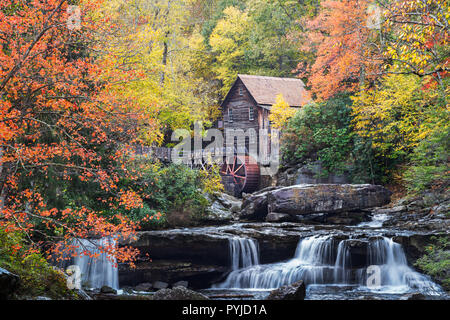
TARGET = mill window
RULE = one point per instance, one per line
(251, 113)
(230, 115)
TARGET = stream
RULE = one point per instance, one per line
(335, 262)
(329, 274)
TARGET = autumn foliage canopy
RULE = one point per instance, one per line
(61, 129)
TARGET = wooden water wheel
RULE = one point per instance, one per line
(244, 174)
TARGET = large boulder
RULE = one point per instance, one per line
(294, 291)
(327, 198)
(178, 293)
(222, 208)
(311, 173)
(9, 282)
(254, 206)
(107, 289)
(307, 199)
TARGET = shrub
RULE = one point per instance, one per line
(436, 261)
(38, 277)
(320, 132)
(429, 167)
(173, 195)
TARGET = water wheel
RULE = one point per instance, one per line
(244, 174)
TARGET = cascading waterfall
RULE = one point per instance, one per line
(342, 266)
(311, 261)
(396, 275)
(318, 261)
(376, 222)
(243, 253)
(97, 268)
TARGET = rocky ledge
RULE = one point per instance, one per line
(321, 203)
(294, 291)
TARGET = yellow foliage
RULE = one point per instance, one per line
(392, 115)
(150, 38)
(229, 40)
(280, 112)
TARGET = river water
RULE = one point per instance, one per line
(332, 265)
(329, 272)
(329, 269)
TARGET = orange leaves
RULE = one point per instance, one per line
(339, 36)
(61, 128)
(130, 200)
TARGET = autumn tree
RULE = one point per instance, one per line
(419, 37)
(280, 112)
(229, 42)
(346, 48)
(404, 114)
(63, 134)
(391, 114)
(156, 39)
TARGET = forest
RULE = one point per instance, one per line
(83, 82)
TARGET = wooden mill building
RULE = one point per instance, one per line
(247, 105)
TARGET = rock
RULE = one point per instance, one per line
(178, 293)
(345, 218)
(413, 296)
(326, 198)
(314, 218)
(254, 207)
(312, 173)
(441, 209)
(313, 199)
(9, 282)
(221, 208)
(180, 284)
(294, 291)
(83, 295)
(181, 245)
(160, 285)
(229, 202)
(106, 289)
(279, 217)
(392, 210)
(146, 286)
(171, 271)
(369, 298)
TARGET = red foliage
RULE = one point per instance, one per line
(56, 115)
(340, 39)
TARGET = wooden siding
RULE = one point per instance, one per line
(240, 105)
(240, 108)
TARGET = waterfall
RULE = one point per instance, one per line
(243, 253)
(342, 266)
(376, 222)
(97, 269)
(318, 261)
(396, 275)
(311, 262)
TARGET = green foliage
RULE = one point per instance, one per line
(323, 132)
(406, 119)
(254, 37)
(436, 261)
(149, 219)
(37, 277)
(320, 132)
(172, 194)
(391, 114)
(429, 161)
